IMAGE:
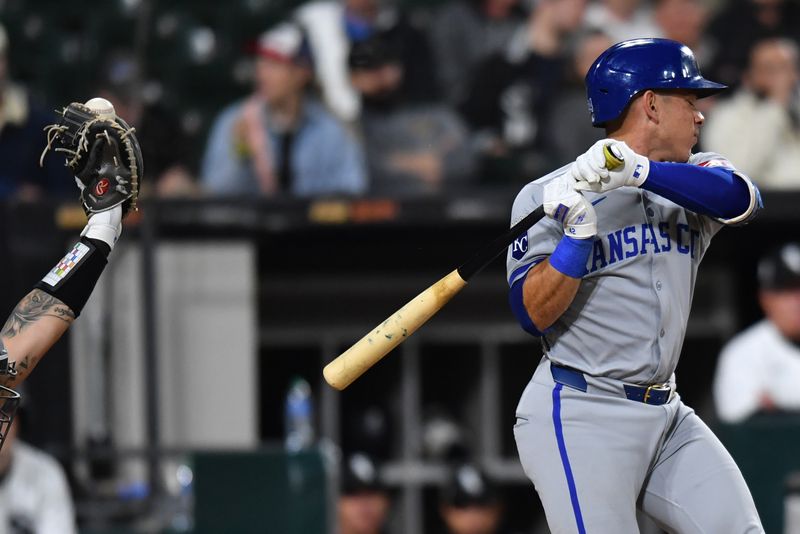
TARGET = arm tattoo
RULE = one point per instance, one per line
(13, 374)
(35, 305)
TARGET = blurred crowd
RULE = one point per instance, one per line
(408, 99)
(468, 502)
(373, 97)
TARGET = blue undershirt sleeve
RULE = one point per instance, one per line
(714, 191)
(518, 308)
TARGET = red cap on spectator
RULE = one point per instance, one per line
(285, 42)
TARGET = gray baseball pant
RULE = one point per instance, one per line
(595, 456)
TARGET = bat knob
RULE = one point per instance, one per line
(614, 157)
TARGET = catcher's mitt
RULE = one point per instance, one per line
(103, 154)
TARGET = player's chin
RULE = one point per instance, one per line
(686, 151)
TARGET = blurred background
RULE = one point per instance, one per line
(310, 167)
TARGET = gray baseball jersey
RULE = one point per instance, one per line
(594, 455)
(629, 317)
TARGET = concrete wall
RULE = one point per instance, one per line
(207, 348)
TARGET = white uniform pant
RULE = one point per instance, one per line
(595, 457)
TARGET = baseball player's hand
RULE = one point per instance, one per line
(102, 152)
(105, 226)
(564, 204)
(596, 171)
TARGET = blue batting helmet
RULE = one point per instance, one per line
(633, 66)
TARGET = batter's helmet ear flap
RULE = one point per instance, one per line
(630, 67)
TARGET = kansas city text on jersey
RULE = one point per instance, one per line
(642, 239)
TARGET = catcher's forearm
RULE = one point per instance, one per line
(36, 323)
(42, 317)
(72, 280)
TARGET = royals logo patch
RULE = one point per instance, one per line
(519, 247)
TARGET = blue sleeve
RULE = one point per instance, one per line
(518, 308)
(714, 191)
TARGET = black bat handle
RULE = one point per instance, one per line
(488, 252)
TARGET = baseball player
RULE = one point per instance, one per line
(104, 155)
(43, 315)
(606, 281)
(759, 369)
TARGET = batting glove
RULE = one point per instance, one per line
(105, 226)
(564, 204)
(590, 167)
(609, 164)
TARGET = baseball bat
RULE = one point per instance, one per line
(613, 157)
(370, 349)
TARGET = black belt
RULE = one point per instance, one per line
(656, 394)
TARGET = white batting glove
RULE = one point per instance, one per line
(590, 167)
(105, 226)
(632, 172)
(564, 204)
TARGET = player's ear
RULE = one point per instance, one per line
(650, 105)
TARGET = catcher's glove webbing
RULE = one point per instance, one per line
(103, 154)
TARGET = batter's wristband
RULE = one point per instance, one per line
(73, 279)
(570, 256)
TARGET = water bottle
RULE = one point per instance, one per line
(299, 416)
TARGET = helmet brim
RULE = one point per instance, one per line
(703, 88)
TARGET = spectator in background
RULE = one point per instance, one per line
(34, 495)
(760, 125)
(158, 131)
(333, 26)
(759, 369)
(685, 21)
(280, 140)
(364, 501)
(567, 129)
(512, 91)
(368, 429)
(469, 503)
(743, 23)
(21, 142)
(411, 148)
(622, 19)
(466, 32)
